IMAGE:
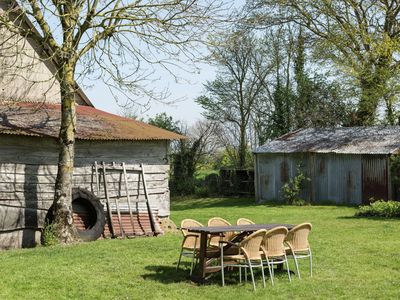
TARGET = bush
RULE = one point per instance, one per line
(291, 189)
(49, 237)
(380, 208)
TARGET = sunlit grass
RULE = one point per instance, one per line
(353, 259)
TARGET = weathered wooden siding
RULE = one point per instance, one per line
(26, 74)
(338, 178)
(28, 168)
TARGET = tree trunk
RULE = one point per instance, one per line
(62, 205)
(242, 147)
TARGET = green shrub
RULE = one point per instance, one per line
(49, 237)
(291, 189)
(380, 208)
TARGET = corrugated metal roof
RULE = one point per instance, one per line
(38, 119)
(351, 140)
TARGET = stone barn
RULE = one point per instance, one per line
(345, 165)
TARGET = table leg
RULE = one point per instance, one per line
(203, 254)
(200, 274)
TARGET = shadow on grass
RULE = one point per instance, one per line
(185, 204)
(166, 274)
(169, 274)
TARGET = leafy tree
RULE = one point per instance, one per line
(295, 98)
(186, 153)
(166, 122)
(361, 38)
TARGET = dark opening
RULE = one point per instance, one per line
(84, 214)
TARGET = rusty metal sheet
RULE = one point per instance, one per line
(374, 178)
(39, 119)
(337, 178)
(344, 140)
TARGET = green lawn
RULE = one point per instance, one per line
(353, 258)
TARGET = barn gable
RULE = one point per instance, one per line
(27, 72)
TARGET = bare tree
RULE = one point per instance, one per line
(231, 97)
(115, 40)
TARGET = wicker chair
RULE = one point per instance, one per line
(244, 221)
(191, 242)
(248, 256)
(298, 246)
(273, 250)
(214, 240)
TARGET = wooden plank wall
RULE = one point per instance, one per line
(28, 168)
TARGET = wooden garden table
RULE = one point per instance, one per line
(200, 273)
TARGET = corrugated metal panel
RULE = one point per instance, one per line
(275, 170)
(374, 178)
(337, 178)
(140, 226)
(269, 174)
(334, 177)
(346, 140)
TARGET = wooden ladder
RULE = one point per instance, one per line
(102, 170)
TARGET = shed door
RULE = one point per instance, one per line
(374, 178)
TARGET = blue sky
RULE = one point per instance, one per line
(181, 93)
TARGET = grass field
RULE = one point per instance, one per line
(353, 259)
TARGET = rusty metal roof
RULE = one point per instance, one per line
(349, 140)
(38, 119)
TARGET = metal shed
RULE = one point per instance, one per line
(345, 165)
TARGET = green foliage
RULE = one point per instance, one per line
(346, 41)
(380, 208)
(228, 158)
(166, 122)
(184, 167)
(395, 169)
(49, 236)
(291, 189)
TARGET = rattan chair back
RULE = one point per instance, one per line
(273, 242)
(191, 241)
(244, 221)
(250, 246)
(297, 237)
(216, 221)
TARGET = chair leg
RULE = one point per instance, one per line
(297, 265)
(240, 274)
(222, 267)
(288, 270)
(245, 274)
(263, 274)
(179, 260)
(309, 251)
(252, 275)
(270, 272)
